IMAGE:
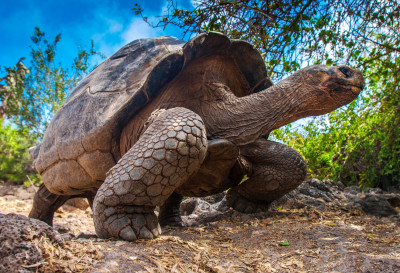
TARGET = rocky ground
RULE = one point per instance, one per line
(320, 227)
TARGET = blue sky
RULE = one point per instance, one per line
(110, 24)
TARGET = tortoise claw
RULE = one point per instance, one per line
(121, 223)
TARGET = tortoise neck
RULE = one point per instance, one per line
(243, 120)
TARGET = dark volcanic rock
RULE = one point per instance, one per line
(197, 211)
(320, 195)
(313, 194)
(377, 204)
(18, 235)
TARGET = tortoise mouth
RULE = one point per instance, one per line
(360, 86)
(354, 87)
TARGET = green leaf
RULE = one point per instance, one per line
(284, 243)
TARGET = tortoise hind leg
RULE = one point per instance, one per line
(170, 214)
(212, 177)
(214, 174)
(45, 203)
(166, 155)
(276, 170)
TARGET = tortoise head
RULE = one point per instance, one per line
(328, 87)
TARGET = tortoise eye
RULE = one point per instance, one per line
(346, 71)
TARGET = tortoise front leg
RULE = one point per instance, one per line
(166, 155)
(276, 170)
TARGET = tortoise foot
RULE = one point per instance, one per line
(240, 203)
(142, 226)
(120, 222)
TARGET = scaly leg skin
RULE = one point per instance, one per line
(212, 177)
(170, 214)
(166, 155)
(45, 203)
(277, 169)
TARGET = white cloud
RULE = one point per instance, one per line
(137, 29)
(116, 35)
(114, 26)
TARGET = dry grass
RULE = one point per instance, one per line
(318, 242)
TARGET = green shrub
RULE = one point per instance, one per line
(15, 161)
(360, 143)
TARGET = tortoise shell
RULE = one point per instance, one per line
(81, 142)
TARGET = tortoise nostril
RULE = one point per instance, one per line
(346, 71)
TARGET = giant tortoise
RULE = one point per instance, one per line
(162, 119)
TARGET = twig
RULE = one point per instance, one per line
(33, 186)
(35, 265)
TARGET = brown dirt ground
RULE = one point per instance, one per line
(329, 241)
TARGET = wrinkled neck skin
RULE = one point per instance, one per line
(243, 120)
